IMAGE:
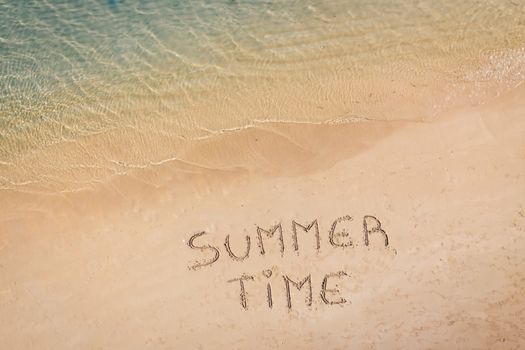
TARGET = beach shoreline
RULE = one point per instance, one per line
(110, 266)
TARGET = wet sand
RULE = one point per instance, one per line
(112, 266)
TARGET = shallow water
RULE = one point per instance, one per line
(101, 87)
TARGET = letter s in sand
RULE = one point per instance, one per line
(203, 248)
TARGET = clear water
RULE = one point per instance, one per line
(188, 69)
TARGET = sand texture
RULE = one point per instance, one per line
(121, 265)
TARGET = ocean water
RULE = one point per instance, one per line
(99, 87)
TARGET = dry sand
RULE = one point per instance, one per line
(110, 267)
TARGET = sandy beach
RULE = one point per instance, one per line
(262, 174)
(140, 261)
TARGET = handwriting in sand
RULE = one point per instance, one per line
(338, 237)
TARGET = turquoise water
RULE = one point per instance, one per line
(189, 68)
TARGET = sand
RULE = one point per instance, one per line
(112, 266)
